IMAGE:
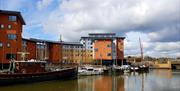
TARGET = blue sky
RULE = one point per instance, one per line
(156, 22)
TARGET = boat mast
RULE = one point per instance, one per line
(141, 49)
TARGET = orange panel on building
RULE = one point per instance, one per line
(102, 50)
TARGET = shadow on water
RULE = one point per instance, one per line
(71, 85)
(154, 80)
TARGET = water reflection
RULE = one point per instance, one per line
(155, 80)
(101, 83)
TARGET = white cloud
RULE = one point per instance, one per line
(163, 49)
(166, 34)
(151, 20)
(169, 46)
(155, 49)
(132, 43)
(41, 4)
(77, 17)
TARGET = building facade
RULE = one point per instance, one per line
(99, 48)
(87, 49)
(72, 52)
(37, 49)
(104, 48)
(11, 25)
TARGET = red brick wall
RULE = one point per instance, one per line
(55, 55)
(120, 49)
(31, 48)
(15, 44)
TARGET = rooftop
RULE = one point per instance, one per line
(41, 40)
(49, 41)
(104, 37)
(102, 33)
(72, 43)
(18, 14)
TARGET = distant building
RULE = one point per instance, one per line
(11, 25)
(72, 52)
(103, 48)
(162, 63)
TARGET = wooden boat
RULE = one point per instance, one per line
(28, 72)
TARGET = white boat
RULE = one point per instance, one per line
(116, 68)
(89, 70)
(125, 68)
(134, 68)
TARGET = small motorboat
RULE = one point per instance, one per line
(89, 70)
(126, 68)
(134, 68)
(144, 68)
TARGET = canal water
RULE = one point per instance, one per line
(154, 80)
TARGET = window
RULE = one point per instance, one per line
(12, 18)
(10, 56)
(1, 45)
(42, 46)
(24, 43)
(1, 26)
(96, 49)
(109, 54)
(108, 45)
(11, 36)
(9, 26)
(8, 45)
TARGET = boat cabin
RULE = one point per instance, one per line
(26, 67)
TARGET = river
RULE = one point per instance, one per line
(154, 80)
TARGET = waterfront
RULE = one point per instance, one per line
(155, 80)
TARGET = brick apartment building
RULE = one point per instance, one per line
(38, 49)
(12, 43)
(103, 48)
(11, 26)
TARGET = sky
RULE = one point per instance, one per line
(156, 22)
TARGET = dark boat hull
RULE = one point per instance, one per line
(10, 79)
